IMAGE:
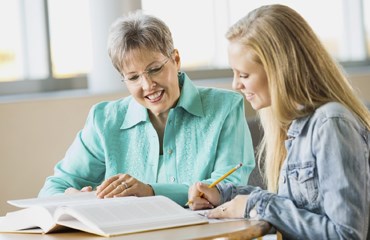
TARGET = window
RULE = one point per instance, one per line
(44, 41)
(69, 29)
(10, 44)
(329, 29)
(200, 31)
(193, 28)
(46, 45)
(366, 14)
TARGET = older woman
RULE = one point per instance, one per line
(167, 135)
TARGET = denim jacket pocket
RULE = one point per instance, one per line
(303, 184)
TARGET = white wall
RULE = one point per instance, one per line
(34, 135)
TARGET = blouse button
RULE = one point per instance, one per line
(172, 179)
(169, 151)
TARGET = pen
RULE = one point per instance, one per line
(218, 180)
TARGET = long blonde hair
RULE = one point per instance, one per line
(299, 71)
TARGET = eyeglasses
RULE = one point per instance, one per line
(135, 79)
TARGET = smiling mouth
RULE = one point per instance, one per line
(248, 96)
(155, 97)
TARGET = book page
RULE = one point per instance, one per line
(53, 200)
(126, 215)
(27, 219)
(6, 227)
(204, 213)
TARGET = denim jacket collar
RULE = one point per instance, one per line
(297, 126)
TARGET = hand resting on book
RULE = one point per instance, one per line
(122, 185)
(72, 190)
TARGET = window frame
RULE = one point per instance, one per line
(51, 84)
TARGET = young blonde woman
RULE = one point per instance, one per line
(315, 149)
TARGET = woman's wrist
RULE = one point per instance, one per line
(151, 190)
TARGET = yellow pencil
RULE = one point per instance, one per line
(219, 180)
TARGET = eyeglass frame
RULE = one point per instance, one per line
(149, 73)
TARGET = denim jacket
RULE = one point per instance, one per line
(324, 184)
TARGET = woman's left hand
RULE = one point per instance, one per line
(232, 209)
(72, 190)
(122, 185)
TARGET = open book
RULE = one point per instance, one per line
(104, 217)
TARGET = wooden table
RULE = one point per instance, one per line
(240, 229)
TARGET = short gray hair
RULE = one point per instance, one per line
(138, 31)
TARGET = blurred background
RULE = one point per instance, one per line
(54, 66)
(52, 45)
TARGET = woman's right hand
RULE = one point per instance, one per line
(202, 197)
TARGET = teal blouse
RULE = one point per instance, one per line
(206, 135)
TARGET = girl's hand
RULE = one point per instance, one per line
(202, 197)
(232, 209)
